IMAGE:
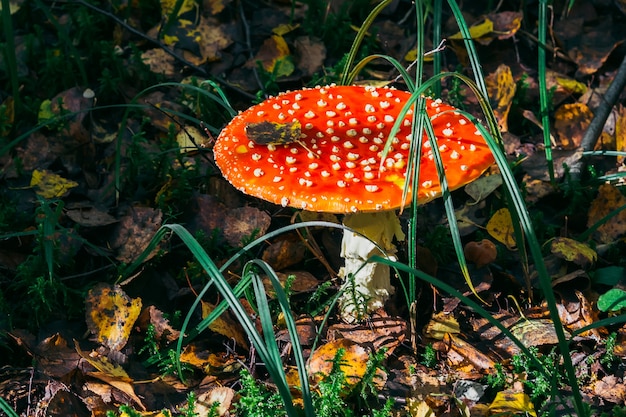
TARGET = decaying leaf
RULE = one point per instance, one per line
(483, 186)
(50, 185)
(440, 324)
(571, 121)
(609, 198)
(501, 89)
(311, 54)
(500, 227)
(573, 251)
(134, 232)
(111, 314)
(112, 374)
(274, 56)
(284, 252)
(223, 396)
(380, 331)
(159, 61)
(512, 404)
(353, 362)
(535, 332)
(225, 325)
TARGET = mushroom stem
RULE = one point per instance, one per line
(367, 287)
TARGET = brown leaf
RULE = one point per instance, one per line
(285, 252)
(311, 53)
(225, 325)
(570, 122)
(379, 331)
(608, 199)
(162, 328)
(111, 314)
(134, 232)
(242, 223)
(573, 251)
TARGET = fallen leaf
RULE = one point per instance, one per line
(511, 404)
(501, 89)
(311, 53)
(609, 198)
(571, 122)
(535, 332)
(573, 251)
(159, 61)
(133, 233)
(111, 314)
(353, 362)
(379, 331)
(51, 185)
(223, 396)
(483, 186)
(225, 325)
(273, 56)
(440, 324)
(500, 227)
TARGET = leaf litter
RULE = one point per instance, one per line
(67, 163)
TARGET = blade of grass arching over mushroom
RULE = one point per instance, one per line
(398, 66)
(356, 44)
(543, 88)
(437, 38)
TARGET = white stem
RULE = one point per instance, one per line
(372, 285)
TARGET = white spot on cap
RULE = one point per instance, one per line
(472, 147)
(384, 104)
(298, 96)
(330, 113)
(284, 201)
(256, 157)
(281, 116)
(277, 179)
(341, 184)
(447, 132)
(427, 184)
(348, 145)
(371, 188)
(258, 172)
(336, 166)
(353, 121)
(309, 115)
(455, 155)
(313, 165)
(389, 118)
(341, 106)
(371, 119)
(464, 168)
(352, 133)
(350, 165)
(308, 126)
(369, 108)
(353, 156)
(276, 106)
(260, 113)
(368, 175)
(322, 103)
(325, 174)
(291, 160)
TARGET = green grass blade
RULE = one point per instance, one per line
(345, 76)
(543, 89)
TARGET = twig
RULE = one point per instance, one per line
(594, 130)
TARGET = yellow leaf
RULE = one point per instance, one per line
(510, 403)
(501, 88)
(167, 6)
(284, 29)
(620, 132)
(477, 31)
(440, 324)
(50, 185)
(573, 251)
(500, 227)
(571, 85)
(111, 314)
(103, 364)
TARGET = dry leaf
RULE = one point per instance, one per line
(501, 89)
(225, 325)
(111, 314)
(573, 251)
(609, 198)
(570, 122)
(134, 232)
(440, 324)
(500, 227)
(511, 404)
(50, 185)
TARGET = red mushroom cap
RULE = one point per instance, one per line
(347, 127)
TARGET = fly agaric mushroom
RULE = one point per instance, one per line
(334, 166)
